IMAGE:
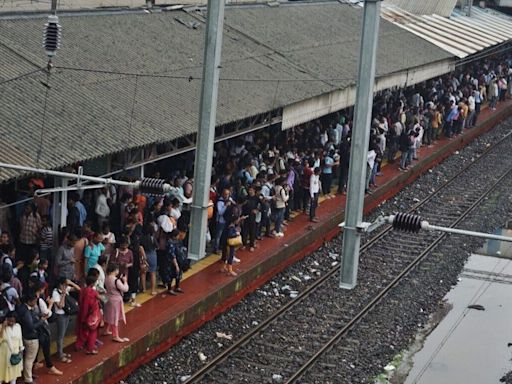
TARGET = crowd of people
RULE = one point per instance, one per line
(118, 243)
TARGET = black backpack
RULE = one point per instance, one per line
(404, 140)
(5, 305)
(182, 259)
(232, 213)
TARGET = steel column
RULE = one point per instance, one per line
(360, 140)
(206, 132)
(64, 203)
(56, 217)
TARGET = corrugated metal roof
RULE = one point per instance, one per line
(459, 34)
(424, 7)
(93, 114)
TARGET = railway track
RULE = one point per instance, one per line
(293, 339)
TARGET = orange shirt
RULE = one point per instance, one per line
(140, 201)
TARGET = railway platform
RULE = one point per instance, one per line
(163, 320)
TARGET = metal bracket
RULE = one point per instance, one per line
(44, 191)
(366, 227)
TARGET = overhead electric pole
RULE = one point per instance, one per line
(360, 141)
(206, 133)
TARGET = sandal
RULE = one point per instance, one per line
(55, 371)
(93, 352)
(118, 340)
(153, 293)
(64, 359)
(134, 304)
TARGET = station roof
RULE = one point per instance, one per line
(272, 57)
(424, 7)
(458, 34)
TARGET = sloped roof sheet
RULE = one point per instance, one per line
(310, 49)
(425, 7)
(459, 34)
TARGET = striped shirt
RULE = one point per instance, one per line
(46, 235)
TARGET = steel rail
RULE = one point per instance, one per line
(212, 364)
(375, 301)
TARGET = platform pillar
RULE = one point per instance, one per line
(206, 132)
(360, 141)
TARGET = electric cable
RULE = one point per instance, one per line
(21, 76)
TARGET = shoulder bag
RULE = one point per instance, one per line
(15, 358)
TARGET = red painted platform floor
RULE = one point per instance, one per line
(155, 311)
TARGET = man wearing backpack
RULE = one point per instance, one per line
(29, 323)
(8, 295)
(223, 203)
(266, 198)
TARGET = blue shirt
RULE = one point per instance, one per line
(327, 161)
(82, 211)
(92, 254)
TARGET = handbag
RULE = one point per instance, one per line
(15, 358)
(235, 241)
(143, 262)
(43, 333)
(70, 306)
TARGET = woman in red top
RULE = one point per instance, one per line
(89, 317)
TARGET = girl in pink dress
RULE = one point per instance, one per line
(115, 286)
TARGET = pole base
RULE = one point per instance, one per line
(348, 286)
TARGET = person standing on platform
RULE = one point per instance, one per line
(171, 267)
(116, 286)
(306, 179)
(65, 258)
(11, 342)
(59, 295)
(123, 257)
(327, 165)
(29, 324)
(43, 311)
(30, 226)
(233, 232)
(93, 251)
(89, 317)
(314, 192)
(150, 245)
(102, 208)
(222, 203)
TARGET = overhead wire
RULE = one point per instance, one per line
(194, 78)
(21, 76)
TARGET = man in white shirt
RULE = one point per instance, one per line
(472, 112)
(314, 191)
(102, 209)
(369, 167)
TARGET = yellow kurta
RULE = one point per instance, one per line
(9, 372)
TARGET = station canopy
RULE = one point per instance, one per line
(93, 104)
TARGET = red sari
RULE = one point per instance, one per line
(89, 306)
